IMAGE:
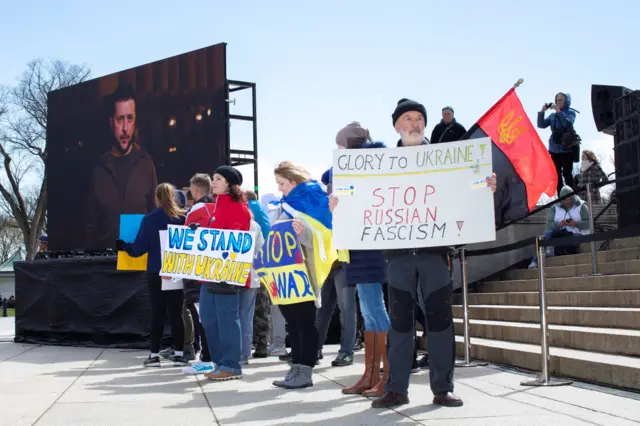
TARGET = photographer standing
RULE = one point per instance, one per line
(560, 121)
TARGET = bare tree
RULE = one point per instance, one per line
(23, 128)
(10, 238)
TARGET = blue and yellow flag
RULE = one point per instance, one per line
(308, 201)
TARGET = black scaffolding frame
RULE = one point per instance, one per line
(241, 157)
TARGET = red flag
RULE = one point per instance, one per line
(511, 131)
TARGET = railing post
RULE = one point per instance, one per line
(465, 314)
(4, 307)
(543, 378)
(592, 230)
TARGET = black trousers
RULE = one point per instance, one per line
(564, 169)
(165, 301)
(303, 332)
(200, 334)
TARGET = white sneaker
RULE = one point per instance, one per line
(533, 264)
(199, 368)
(277, 351)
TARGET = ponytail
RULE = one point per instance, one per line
(167, 201)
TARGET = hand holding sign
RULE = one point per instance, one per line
(298, 226)
(333, 202)
(492, 182)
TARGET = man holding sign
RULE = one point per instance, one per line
(415, 203)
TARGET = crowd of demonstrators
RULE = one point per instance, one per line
(392, 289)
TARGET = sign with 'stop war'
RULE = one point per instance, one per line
(411, 197)
(281, 267)
(215, 255)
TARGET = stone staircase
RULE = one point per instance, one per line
(594, 321)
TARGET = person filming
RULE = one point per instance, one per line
(560, 121)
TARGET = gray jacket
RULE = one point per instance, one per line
(308, 249)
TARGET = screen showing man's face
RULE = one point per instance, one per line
(123, 124)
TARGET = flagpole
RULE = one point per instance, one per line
(518, 83)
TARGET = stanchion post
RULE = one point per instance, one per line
(465, 314)
(592, 230)
(543, 378)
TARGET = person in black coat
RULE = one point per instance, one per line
(367, 271)
(168, 212)
(448, 130)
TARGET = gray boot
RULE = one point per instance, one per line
(300, 380)
(293, 370)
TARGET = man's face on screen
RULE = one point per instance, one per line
(123, 124)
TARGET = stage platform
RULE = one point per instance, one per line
(82, 302)
(49, 385)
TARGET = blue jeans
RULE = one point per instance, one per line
(372, 307)
(247, 309)
(220, 318)
(337, 290)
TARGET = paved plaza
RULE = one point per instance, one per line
(48, 385)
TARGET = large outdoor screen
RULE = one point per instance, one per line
(111, 140)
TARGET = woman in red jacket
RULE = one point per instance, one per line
(219, 302)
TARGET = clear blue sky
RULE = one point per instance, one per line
(320, 65)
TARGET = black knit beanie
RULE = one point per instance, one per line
(405, 105)
(232, 175)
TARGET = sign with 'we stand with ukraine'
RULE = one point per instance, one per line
(281, 268)
(216, 255)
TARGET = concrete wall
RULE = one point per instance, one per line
(482, 267)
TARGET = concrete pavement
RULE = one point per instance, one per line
(46, 385)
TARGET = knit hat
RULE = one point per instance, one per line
(448, 108)
(231, 174)
(406, 105)
(352, 134)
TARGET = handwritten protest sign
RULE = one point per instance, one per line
(129, 226)
(409, 197)
(281, 268)
(217, 255)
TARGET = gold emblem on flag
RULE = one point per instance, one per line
(509, 130)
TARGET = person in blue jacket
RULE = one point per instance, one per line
(366, 271)
(559, 120)
(168, 212)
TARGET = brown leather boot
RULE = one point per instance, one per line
(381, 345)
(371, 367)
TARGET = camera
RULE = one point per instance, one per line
(550, 105)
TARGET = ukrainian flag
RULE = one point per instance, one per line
(308, 201)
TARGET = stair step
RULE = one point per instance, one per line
(606, 369)
(585, 283)
(615, 244)
(604, 340)
(608, 317)
(622, 299)
(615, 255)
(567, 271)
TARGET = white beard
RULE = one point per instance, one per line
(411, 138)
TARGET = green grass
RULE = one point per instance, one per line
(10, 312)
